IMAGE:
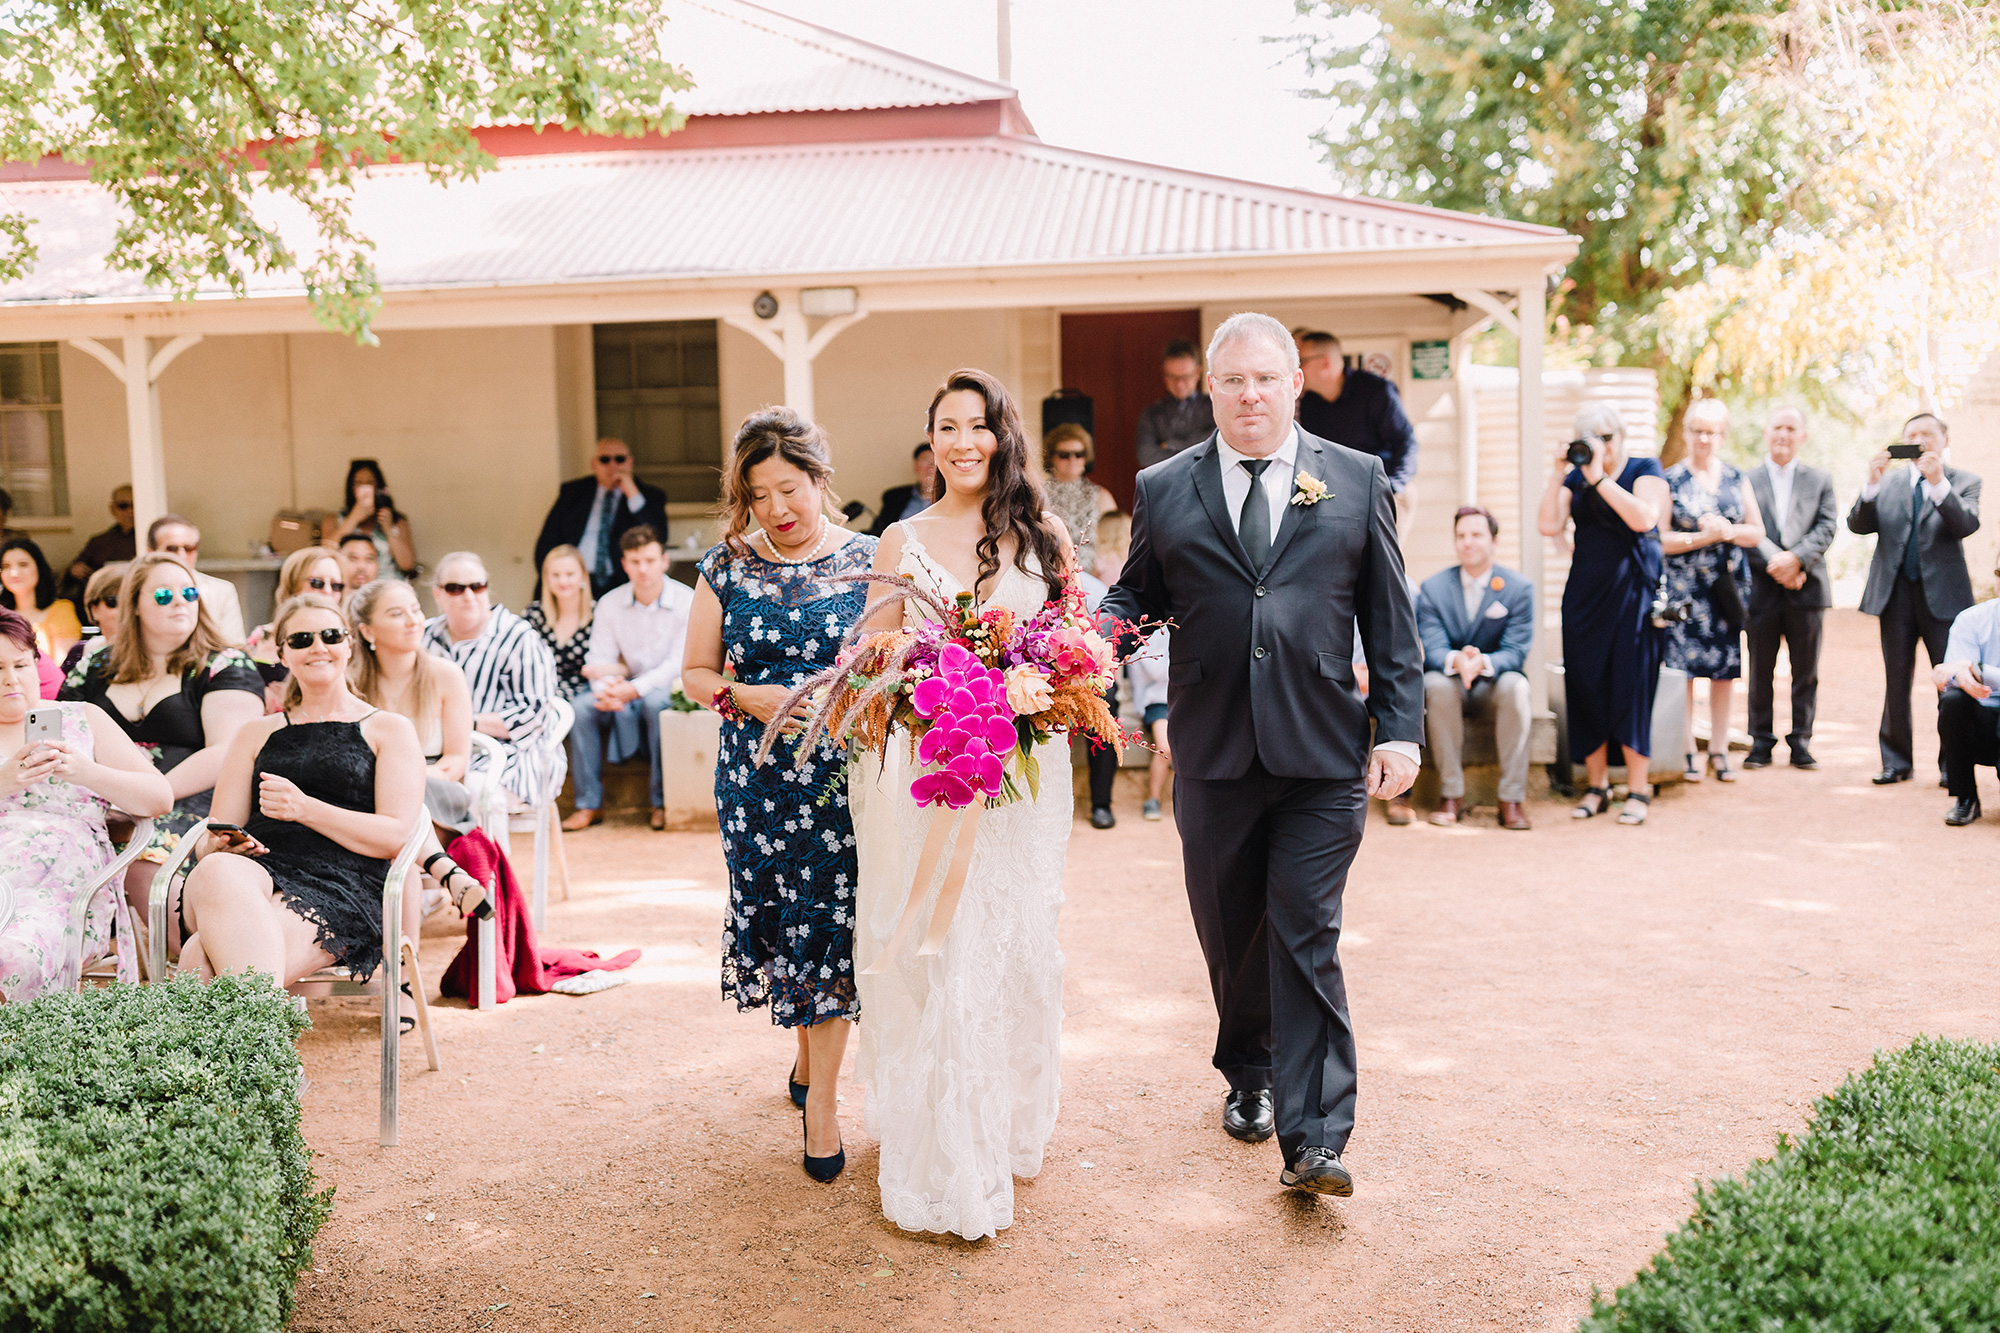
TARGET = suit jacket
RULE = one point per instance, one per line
(1940, 540)
(1261, 663)
(893, 501)
(1505, 637)
(1806, 532)
(571, 513)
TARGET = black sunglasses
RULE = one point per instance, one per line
(165, 596)
(1071, 453)
(608, 458)
(326, 585)
(460, 589)
(301, 639)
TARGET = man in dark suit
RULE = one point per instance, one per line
(1477, 621)
(901, 502)
(1267, 547)
(592, 513)
(1789, 587)
(1917, 582)
(1361, 410)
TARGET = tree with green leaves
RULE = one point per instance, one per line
(197, 116)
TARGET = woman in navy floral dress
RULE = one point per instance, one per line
(774, 606)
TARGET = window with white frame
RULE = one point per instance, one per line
(33, 469)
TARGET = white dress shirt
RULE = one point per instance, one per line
(1473, 588)
(1781, 494)
(649, 638)
(1277, 488)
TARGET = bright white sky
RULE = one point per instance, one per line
(1184, 83)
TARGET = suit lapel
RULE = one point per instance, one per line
(1452, 606)
(1766, 491)
(1805, 504)
(1208, 485)
(1309, 461)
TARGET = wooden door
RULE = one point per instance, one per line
(1115, 358)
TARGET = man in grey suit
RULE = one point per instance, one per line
(1477, 621)
(1917, 582)
(1789, 587)
(1267, 547)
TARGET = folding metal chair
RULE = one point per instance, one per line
(74, 974)
(174, 871)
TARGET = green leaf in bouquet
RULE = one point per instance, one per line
(1032, 770)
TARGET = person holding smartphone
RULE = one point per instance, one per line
(62, 766)
(367, 508)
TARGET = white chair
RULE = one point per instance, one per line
(174, 871)
(74, 975)
(489, 808)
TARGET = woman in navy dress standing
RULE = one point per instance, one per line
(1611, 649)
(773, 605)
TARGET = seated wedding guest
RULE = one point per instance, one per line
(177, 690)
(100, 605)
(561, 616)
(360, 565)
(312, 569)
(325, 792)
(53, 798)
(1185, 417)
(116, 543)
(637, 639)
(591, 513)
(367, 509)
(901, 502)
(390, 670)
(1969, 707)
(175, 536)
(1361, 410)
(508, 669)
(1477, 622)
(1067, 455)
(28, 586)
(1106, 553)
(1114, 540)
(1147, 675)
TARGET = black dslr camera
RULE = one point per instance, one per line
(1578, 452)
(1668, 612)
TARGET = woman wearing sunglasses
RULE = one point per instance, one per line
(1067, 452)
(312, 569)
(324, 793)
(177, 690)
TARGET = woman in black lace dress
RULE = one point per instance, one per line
(326, 792)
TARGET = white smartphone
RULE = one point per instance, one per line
(43, 724)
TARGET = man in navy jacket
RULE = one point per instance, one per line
(1477, 622)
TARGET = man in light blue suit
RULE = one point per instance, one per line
(1477, 621)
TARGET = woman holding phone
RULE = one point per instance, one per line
(323, 795)
(64, 765)
(367, 509)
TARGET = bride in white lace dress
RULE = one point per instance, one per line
(961, 1050)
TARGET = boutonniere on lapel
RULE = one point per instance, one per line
(1308, 490)
(1497, 583)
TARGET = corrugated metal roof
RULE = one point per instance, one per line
(746, 59)
(854, 208)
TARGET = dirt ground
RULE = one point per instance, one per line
(1559, 1033)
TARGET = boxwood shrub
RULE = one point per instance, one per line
(1884, 1216)
(152, 1173)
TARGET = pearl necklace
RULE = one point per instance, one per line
(825, 531)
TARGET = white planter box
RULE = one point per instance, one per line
(688, 746)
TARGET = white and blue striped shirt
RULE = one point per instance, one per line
(511, 673)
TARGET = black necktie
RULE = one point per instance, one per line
(1253, 525)
(1913, 566)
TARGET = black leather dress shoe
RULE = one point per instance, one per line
(1889, 775)
(1318, 1171)
(1247, 1115)
(1802, 758)
(1101, 817)
(1965, 812)
(1759, 756)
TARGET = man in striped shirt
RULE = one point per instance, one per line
(510, 671)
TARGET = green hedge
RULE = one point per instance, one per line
(152, 1173)
(1884, 1217)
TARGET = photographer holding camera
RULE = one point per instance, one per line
(1611, 645)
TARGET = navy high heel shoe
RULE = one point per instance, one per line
(798, 1089)
(822, 1169)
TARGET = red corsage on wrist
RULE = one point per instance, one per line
(723, 701)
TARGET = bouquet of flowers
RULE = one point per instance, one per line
(975, 692)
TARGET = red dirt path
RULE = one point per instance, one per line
(1559, 1031)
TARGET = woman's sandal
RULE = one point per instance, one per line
(1636, 808)
(1720, 763)
(469, 889)
(1692, 771)
(1584, 809)
(407, 1022)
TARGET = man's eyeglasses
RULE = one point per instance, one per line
(609, 459)
(300, 640)
(165, 596)
(184, 552)
(460, 589)
(1071, 453)
(334, 586)
(121, 505)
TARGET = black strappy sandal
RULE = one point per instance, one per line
(472, 889)
(1630, 815)
(1585, 810)
(407, 1022)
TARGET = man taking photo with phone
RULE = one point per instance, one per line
(1921, 511)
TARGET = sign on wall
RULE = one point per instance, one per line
(1430, 360)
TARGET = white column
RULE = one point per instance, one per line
(142, 435)
(797, 356)
(1468, 417)
(1532, 316)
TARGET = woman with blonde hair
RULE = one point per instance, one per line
(178, 691)
(1068, 453)
(313, 569)
(561, 617)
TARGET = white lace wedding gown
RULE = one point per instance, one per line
(961, 1051)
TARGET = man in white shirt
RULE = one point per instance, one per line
(1969, 706)
(1789, 587)
(638, 636)
(177, 537)
(1477, 621)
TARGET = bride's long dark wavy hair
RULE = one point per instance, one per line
(1014, 500)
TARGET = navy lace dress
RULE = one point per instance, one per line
(786, 832)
